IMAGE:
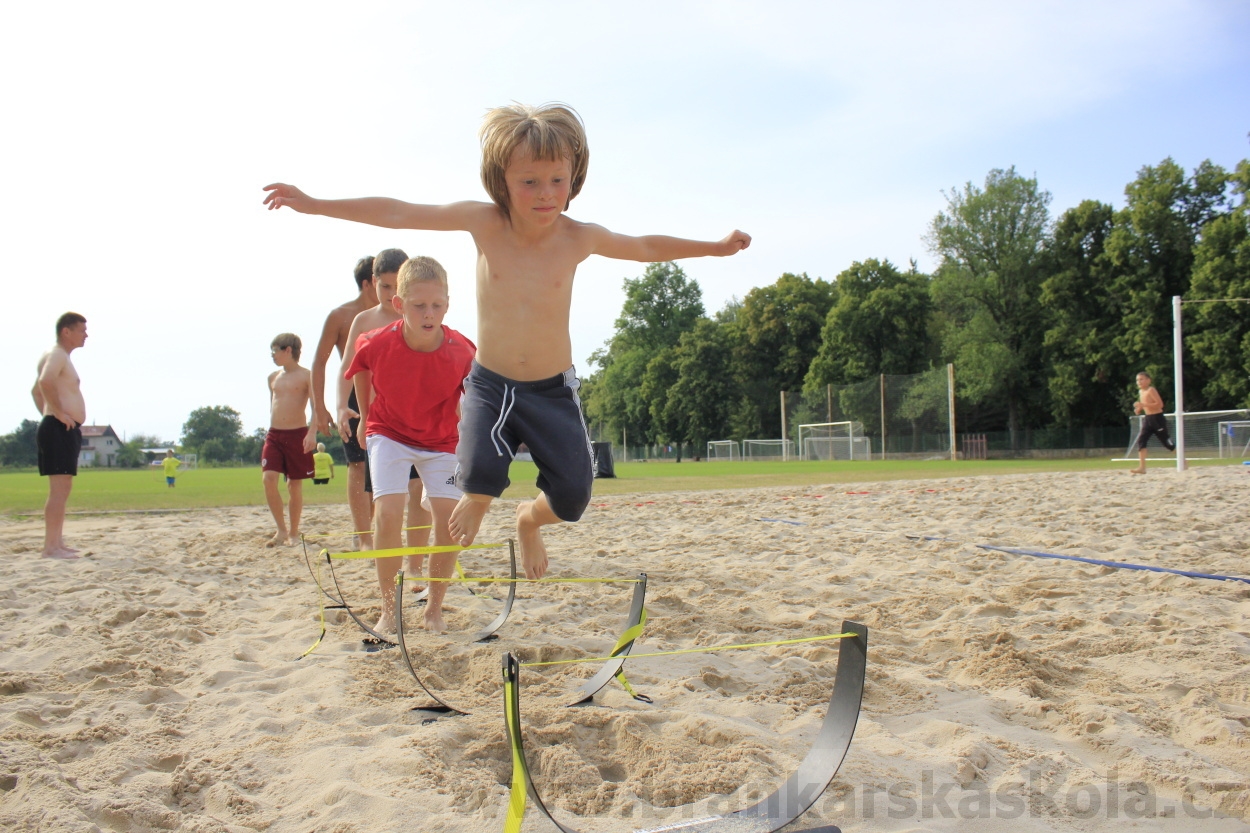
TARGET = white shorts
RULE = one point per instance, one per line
(389, 464)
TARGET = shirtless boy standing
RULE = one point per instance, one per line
(385, 280)
(522, 388)
(58, 396)
(1153, 423)
(334, 336)
(291, 438)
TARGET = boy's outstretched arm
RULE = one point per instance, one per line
(656, 248)
(377, 211)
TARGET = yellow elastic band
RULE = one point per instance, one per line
(526, 580)
(695, 650)
(321, 604)
(395, 552)
(516, 797)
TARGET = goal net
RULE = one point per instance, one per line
(724, 450)
(189, 461)
(768, 450)
(1234, 438)
(1202, 434)
(834, 441)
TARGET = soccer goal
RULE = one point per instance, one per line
(760, 450)
(1203, 434)
(189, 461)
(724, 450)
(834, 441)
(1234, 438)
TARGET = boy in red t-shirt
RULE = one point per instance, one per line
(409, 377)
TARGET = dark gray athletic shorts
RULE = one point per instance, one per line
(1155, 425)
(498, 414)
(351, 449)
(58, 447)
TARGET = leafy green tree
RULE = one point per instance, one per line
(657, 381)
(1151, 252)
(1220, 339)
(131, 455)
(1086, 371)
(217, 423)
(18, 449)
(879, 324)
(990, 240)
(658, 308)
(775, 336)
(700, 400)
(248, 449)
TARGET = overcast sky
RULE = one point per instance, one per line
(137, 138)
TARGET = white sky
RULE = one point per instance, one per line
(137, 138)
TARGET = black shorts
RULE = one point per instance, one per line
(58, 447)
(412, 475)
(320, 481)
(499, 414)
(1154, 425)
(351, 448)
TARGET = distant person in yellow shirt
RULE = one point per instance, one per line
(323, 466)
(170, 464)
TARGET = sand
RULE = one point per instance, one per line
(154, 685)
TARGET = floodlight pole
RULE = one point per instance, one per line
(950, 407)
(1177, 357)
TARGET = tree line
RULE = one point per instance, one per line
(1047, 320)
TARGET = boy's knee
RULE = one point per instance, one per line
(568, 504)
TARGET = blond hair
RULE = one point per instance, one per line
(550, 132)
(419, 270)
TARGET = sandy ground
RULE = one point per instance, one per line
(154, 685)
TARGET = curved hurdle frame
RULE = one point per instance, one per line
(587, 691)
(793, 798)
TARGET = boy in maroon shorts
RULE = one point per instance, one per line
(291, 438)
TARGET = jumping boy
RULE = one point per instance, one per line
(409, 377)
(1153, 423)
(523, 388)
(291, 438)
(386, 275)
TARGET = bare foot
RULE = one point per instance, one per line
(385, 624)
(530, 539)
(278, 538)
(61, 554)
(466, 518)
(1136, 471)
(434, 621)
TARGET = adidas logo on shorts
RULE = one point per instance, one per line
(451, 481)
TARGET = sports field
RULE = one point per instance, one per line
(111, 490)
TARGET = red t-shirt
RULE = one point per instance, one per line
(415, 394)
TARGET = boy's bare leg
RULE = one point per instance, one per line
(388, 512)
(531, 516)
(417, 516)
(274, 498)
(1141, 467)
(360, 502)
(295, 492)
(441, 565)
(466, 518)
(59, 486)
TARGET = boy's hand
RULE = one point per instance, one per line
(324, 422)
(360, 434)
(733, 243)
(310, 440)
(1137, 407)
(346, 415)
(288, 195)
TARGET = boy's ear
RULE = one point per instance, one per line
(397, 302)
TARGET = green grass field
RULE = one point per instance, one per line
(114, 490)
